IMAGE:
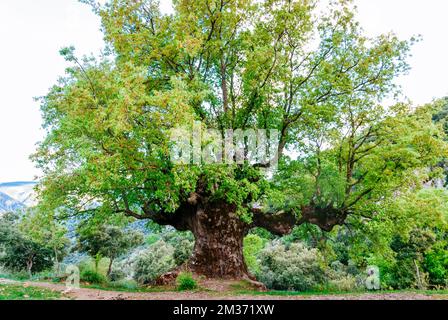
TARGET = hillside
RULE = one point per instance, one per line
(16, 195)
(9, 204)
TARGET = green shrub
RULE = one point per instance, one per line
(402, 275)
(92, 277)
(153, 262)
(58, 279)
(253, 244)
(185, 282)
(89, 264)
(20, 276)
(183, 251)
(346, 283)
(293, 267)
(436, 264)
(117, 275)
(151, 239)
(398, 269)
(343, 278)
(183, 244)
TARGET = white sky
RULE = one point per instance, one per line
(33, 31)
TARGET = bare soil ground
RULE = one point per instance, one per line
(95, 294)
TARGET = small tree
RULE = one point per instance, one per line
(108, 241)
(20, 253)
(154, 262)
(43, 229)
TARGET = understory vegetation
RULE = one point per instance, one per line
(308, 260)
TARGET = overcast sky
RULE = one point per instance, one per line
(33, 31)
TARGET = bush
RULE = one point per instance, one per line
(401, 275)
(20, 276)
(151, 239)
(92, 277)
(436, 264)
(183, 251)
(346, 283)
(126, 264)
(183, 244)
(58, 279)
(291, 268)
(116, 275)
(402, 272)
(343, 278)
(185, 282)
(89, 264)
(253, 244)
(153, 262)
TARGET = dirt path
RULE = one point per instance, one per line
(94, 294)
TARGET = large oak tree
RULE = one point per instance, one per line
(297, 66)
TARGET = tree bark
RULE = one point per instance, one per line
(56, 260)
(109, 270)
(29, 267)
(218, 250)
(98, 258)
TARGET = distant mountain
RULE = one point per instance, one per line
(16, 195)
(8, 204)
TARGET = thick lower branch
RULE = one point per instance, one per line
(325, 218)
(283, 222)
(181, 219)
(280, 223)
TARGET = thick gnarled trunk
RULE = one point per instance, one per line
(219, 234)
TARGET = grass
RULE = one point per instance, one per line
(427, 292)
(295, 293)
(432, 292)
(14, 276)
(119, 286)
(245, 288)
(331, 293)
(18, 292)
(138, 289)
(15, 292)
(23, 276)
